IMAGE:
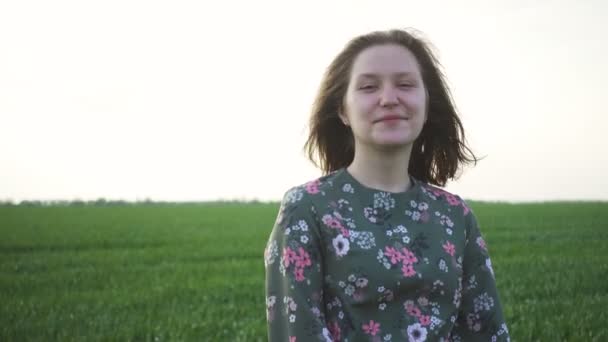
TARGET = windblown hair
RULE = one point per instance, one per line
(439, 151)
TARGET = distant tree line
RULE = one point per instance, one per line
(101, 202)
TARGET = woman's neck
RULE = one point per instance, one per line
(385, 170)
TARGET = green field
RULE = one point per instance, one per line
(195, 271)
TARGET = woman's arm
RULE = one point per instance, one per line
(480, 317)
(294, 274)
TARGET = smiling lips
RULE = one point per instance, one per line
(390, 118)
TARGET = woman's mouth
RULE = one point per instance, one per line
(390, 118)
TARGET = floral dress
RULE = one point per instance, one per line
(349, 263)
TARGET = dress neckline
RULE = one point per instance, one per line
(413, 189)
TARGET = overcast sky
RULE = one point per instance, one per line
(193, 100)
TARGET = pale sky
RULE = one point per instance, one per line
(193, 100)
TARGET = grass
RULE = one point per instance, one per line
(195, 272)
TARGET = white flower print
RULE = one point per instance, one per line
(352, 278)
(294, 195)
(348, 188)
(341, 315)
(316, 311)
(423, 301)
(341, 245)
(483, 302)
(361, 282)
(457, 297)
(287, 231)
(381, 289)
(303, 225)
(443, 266)
(292, 305)
(413, 204)
(435, 321)
(341, 283)
(365, 240)
(388, 337)
(292, 318)
(472, 283)
(270, 301)
(422, 206)
(401, 229)
(384, 200)
(327, 335)
(406, 239)
(304, 239)
(349, 290)
(416, 215)
(489, 266)
(272, 251)
(370, 214)
(382, 306)
(449, 231)
(389, 233)
(416, 333)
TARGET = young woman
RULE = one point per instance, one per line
(373, 250)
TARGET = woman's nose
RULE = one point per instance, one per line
(388, 96)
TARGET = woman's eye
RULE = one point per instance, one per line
(406, 85)
(367, 87)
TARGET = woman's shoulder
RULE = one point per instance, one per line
(444, 197)
(312, 190)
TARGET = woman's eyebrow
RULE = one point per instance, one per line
(374, 75)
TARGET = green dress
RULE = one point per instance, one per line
(349, 263)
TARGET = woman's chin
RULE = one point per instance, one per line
(393, 141)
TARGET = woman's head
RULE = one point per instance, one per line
(386, 89)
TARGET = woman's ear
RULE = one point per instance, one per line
(343, 117)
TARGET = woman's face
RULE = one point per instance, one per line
(385, 103)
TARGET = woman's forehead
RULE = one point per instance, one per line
(385, 60)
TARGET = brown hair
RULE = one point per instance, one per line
(440, 149)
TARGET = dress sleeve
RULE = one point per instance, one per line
(294, 273)
(480, 317)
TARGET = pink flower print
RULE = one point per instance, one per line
(313, 187)
(452, 200)
(449, 248)
(408, 270)
(332, 222)
(303, 259)
(334, 330)
(424, 217)
(289, 256)
(393, 254)
(425, 320)
(299, 260)
(344, 232)
(299, 273)
(292, 339)
(372, 328)
(482, 243)
(465, 209)
(408, 256)
(436, 191)
(358, 295)
(412, 310)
